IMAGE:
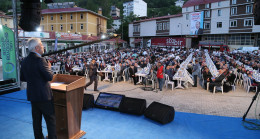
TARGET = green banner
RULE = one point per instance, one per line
(7, 45)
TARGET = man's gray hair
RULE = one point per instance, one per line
(32, 43)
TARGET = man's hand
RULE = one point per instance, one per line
(49, 64)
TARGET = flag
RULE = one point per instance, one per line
(56, 44)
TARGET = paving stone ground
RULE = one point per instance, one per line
(191, 100)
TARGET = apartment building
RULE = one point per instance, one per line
(115, 12)
(137, 7)
(6, 20)
(226, 22)
(73, 20)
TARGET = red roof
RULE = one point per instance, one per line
(198, 2)
(157, 18)
(89, 38)
(68, 10)
(63, 10)
(116, 40)
(5, 16)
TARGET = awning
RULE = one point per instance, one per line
(116, 40)
(136, 41)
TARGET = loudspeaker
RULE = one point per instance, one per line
(160, 112)
(88, 101)
(257, 12)
(133, 106)
(30, 16)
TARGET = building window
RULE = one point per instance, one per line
(81, 26)
(219, 24)
(233, 23)
(42, 28)
(234, 1)
(248, 22)
(186, 9)
(240, 39)
(219, 12)
(71, 26)
(61, 27)
(5, 19)
(248, 0)
(136, 28)
(197, 7)
(207, 14)
(61, 17)
(42, 18)
(249, 9)
(187, 16)
(168, 25)
(219, 4)
(206, 25)
(71, 16)
(52, 27)
(51, 17)
(207, 5)
(233, 10)
(81, 16)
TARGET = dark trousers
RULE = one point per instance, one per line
(195, 80)
(45, 109)
(135, 79)
(92, 79)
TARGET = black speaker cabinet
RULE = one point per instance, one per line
(133, 106)
(160, 112)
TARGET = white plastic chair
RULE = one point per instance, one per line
(221, 86)
(114, 76)
(249, 85)
(167, 81)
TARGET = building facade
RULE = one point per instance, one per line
(137, 7)
(115, 12)
(6, 20)
(73, 20)
(229, 22)
(179, 3)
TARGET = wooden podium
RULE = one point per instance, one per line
(68, 92)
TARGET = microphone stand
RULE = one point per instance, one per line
(254, 98)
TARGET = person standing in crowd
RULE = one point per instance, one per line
(132, 71)
(36, 71)
(92, 75)
(195, 72)
(160, 75)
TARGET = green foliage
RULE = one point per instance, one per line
(155, 8)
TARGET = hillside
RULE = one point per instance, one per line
(155, 7)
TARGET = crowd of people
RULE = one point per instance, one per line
(163, 61)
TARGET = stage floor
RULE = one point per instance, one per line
(16, 123)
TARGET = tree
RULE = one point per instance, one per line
(123, 30)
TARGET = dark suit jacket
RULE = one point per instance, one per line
(132, 72)
(35, 71)
(199, 32)
(93, 71)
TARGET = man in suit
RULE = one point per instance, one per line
(217, 81)
(132, 71)
(37, 73)
(93, 74)
(198, 30)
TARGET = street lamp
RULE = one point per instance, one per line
(39, 29)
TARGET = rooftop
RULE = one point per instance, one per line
(158, 18)
(69, 10)
(198, 2)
